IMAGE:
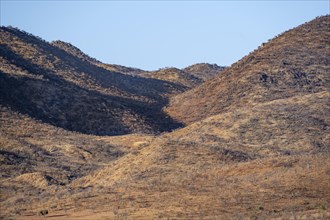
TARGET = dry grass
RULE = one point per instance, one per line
(180, 175)
(62, 86)
(260, 152)
(269, 188)
(294, 63)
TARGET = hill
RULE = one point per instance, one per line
(60, 85)
(256, 144)
(201, 171)
(293, 63)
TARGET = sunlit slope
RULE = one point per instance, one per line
(293, 63)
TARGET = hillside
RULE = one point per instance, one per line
(293, 63)
(278, 168)
(255, 144)
(66, 89)
(38, 159)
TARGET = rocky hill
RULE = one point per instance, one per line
(293, 63)
(62, 86)
(256, 144)
(256, 159)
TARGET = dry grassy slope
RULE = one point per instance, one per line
(62, 89)
(29, 146)
(295, 125)
(271, 188)
(38, 160)
(294, 63)
(204, 71)
(270, 161)
(255, 162)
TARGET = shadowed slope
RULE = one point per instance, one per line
(65, 90)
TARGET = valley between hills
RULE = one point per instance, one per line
(87, 140)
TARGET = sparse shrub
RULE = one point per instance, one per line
(43, 212)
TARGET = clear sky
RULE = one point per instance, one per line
(155, 34)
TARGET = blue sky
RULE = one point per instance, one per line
(156, 34)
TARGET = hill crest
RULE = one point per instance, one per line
(294, 63)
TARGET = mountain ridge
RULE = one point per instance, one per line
(53, 85)
(263, 75)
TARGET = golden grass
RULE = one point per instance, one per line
(256, 147)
